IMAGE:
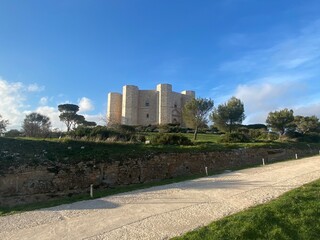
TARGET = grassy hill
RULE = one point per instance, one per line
(14, 152)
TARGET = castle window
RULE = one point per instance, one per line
(147, 115)
(147, 103)
(175, 105)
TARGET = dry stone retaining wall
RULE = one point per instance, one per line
(27, 184)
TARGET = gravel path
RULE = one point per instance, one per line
(165, 211)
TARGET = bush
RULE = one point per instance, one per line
(170, 139)
(258, 134)
(102, 133)
(272, 136)
(171, 128)
(13, 133)
(310, 138)
(124, 129)
(81, 132)
(234, 137)
(141, 138)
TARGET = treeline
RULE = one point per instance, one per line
(226, 119)
(39, 126)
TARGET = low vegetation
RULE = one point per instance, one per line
(295, 215)
(31, 151)
(170, 139)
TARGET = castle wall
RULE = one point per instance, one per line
(148, 106)
(145, 107)
(130, 97)
(165, 101)
(176, 108)
(114, 108)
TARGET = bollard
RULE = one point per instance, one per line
(91, 190)
(296, 156)
(263, 162)
(206, 169)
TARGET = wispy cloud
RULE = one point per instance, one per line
(284, 75)
(43, 101)
(35, 88)
(296, 51)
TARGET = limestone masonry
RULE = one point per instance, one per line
(145, 107)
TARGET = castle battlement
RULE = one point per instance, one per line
(147, 107)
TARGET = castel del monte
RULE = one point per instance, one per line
(147, 107)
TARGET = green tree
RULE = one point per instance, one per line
(13, 133)
(69, 114)
(36, 125)
(195, 113)
(89, 124)
(280, 121)
(78, 121)
(228, 115)
(3, 124)
(307, 124)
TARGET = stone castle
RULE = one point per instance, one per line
(147, 107)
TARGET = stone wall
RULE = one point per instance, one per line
(36, 183)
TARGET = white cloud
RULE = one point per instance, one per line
(53, 114)
(43, 101)
(99, 119)
(12, 102)
(85, 105)
(261, 98)
(35, 88)
(13, 107)
(308, 110)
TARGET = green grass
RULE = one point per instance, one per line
(294, 215)
(201, 137)
(15, 152)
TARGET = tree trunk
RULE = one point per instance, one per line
(195, 133)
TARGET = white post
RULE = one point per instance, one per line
(263, 162)
(319, 151)
(206, 168)
(91, 190)
(296, 156)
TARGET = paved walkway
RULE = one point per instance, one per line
(165, 211)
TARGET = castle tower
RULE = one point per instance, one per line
(165, 102)
(189, 93)
(130, 97)
(114, 108)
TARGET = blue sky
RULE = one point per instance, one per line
(267, 53)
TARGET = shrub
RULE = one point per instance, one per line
(141, 138)
(170, 139)
(171, 128)
(258, 134)
(272, 136)
(81, 132)
(310, 137)
(100, 132)
(234, 137)
(124, 129)
(13, 133)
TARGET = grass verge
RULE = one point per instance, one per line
(294, 215)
